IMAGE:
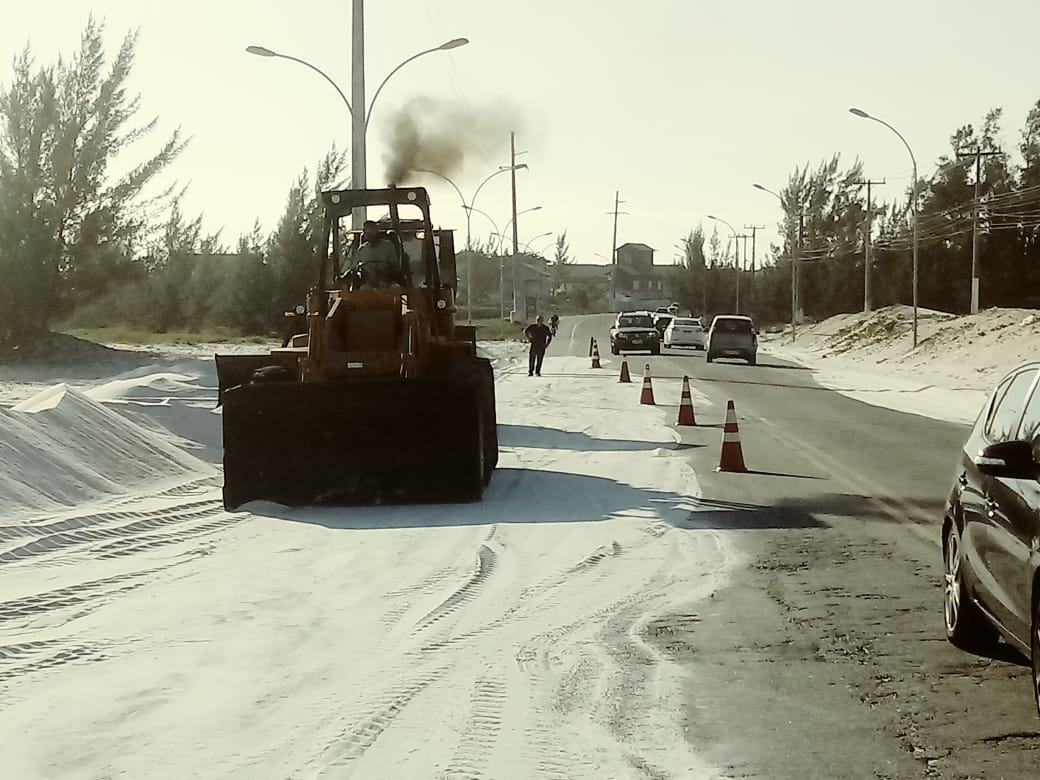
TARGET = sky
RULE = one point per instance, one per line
(678, 105)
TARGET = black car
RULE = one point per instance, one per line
(991, 528)
(634, 332)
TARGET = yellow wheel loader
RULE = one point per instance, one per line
(383, 399)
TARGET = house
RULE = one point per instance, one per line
(584, 286)
(638, 283)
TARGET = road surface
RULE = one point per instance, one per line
(826, 657)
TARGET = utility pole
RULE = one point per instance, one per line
(795, 249)
(978, 154)
(737, 264)
(751, 292)
(868, 246)
(358, 160)
(613, 246)
(512, 174)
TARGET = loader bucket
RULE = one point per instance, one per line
(234, 370)
(367, 441)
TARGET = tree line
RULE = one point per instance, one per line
(825, 217)
(81, 245)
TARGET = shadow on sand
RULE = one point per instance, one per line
(819, 511)
(557, 439)
(514, 496)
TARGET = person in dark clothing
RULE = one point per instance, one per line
(554, 323)
(540, 336)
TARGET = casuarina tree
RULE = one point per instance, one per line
(68, 223)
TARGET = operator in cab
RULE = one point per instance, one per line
(377, 261)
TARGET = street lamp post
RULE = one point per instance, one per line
(468, 208)
(795, 239)
(360, 117)
(736, 256)
(913, 200)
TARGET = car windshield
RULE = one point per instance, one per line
(635, 321)
(733, 326)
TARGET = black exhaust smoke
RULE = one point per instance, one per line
(443, 136)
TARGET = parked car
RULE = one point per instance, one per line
(634, 331)
(661, 321)
(732, 335)
(685, 332)
(991, 525)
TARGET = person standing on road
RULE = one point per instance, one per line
(540, 336)
(554, 323)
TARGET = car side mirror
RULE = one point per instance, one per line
(1010, 459)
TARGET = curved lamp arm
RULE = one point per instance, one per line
(913, 160)
(766, 189)
(485, 214)
(442, 176)
(263, 52)
(504, 169)
(525, 247)
(735, 239)
(452, 44)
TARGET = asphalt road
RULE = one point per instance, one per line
(826, 657)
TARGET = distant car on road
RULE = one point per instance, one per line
(991, 525)
(634, 331)
(732, 335)
(685, 332)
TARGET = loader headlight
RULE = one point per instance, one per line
(442, 304)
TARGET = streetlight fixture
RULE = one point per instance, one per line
(486, 216)
(794, 261)
(510, 221)
(913, 199)
(468, 208)
(359, 121)
(736, 255)
(540, 235)
(454, 43)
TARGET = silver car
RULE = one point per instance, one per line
(731, 335)
(685, 332)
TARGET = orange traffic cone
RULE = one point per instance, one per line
(732, 458)
(647, 396)
(595, 355)
(624, 372)
(686, 405)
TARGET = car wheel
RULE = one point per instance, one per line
(614, 350)
(966, 626)
(655, 351)
(708, 358)
(752, 360)
(1035, 653)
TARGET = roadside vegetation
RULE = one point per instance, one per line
(825, 215)
(85, 251)
(125, 334)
